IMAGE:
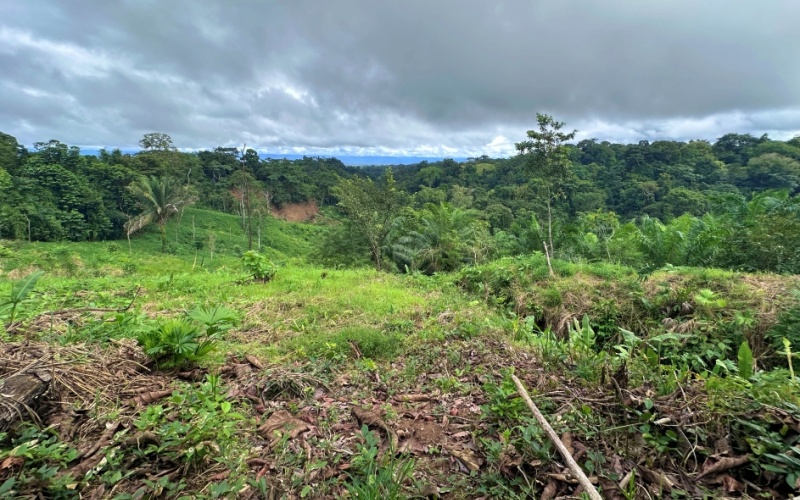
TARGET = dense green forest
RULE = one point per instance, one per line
(730, 204)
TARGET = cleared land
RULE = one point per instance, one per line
(354, 383)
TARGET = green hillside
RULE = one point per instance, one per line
(643, 373)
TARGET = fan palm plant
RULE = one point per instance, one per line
(441, 238)
(159, 198)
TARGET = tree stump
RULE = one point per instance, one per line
(19, 394)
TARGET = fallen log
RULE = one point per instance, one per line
(19, 395)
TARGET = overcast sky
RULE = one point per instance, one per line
(412, 77)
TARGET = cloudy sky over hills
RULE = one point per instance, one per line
(446, 78)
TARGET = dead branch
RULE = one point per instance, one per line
(149, 397)
(573, 466)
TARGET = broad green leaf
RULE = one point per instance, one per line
(745, 361)
(23, 287)
(5, 488)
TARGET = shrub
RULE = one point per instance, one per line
(376, 475)
(258, 266)
(5, 252)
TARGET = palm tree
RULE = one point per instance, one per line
(659, 243)
(441, 238)
(160, 198)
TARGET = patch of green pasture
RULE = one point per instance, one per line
(281, 241)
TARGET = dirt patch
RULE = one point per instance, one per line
(16, 274)
(296, 212)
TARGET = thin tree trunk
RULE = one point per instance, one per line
(163, 228)
(376, 255)
(549, 224)
(249, 229)
(547, 254)
(178, 228)
(259, 230)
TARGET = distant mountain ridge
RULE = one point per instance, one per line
(349, 160)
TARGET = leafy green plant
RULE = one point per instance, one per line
(19, 295)
(258, 266)
(378, 476)
(746, 367)
(582, 349)
(45, 457)
(216, 320)
(787, 327)
(178, 342)
(197, 424)
(5, 252)
(502, 401)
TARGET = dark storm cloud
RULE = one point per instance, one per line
(443, 78)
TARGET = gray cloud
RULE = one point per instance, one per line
(453, 77)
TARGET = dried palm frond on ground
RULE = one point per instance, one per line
(82, 376)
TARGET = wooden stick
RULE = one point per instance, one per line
(573, 466)
(547, 254)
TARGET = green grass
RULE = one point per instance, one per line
(280, 241)
(295, 314)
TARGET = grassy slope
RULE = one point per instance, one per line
(343, 340)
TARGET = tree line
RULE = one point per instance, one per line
(53, 192)
(731, 203)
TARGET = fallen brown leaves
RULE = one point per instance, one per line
(722, 465)
(279, 424)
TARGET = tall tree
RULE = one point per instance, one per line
(159, 198)
(547, 158)
(156, 141)
(371, 207)
(10, 153)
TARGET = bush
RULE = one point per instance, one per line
(258, 266)
(5, 252)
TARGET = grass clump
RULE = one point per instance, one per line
(348, 342)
